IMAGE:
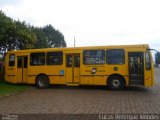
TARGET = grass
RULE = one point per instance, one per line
(7, 89)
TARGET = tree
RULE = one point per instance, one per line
(48, 37)
(54, 37)
(7, 28)
(25, 37)
(14, 34)
(157, 58)
(41, 40)
(19, 35)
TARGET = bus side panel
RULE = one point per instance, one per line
(10, 71)
(33, 72)
(100, 80)
(126, 80)
(153, 79)
(53, 79)
(117, 69)
(93, 74)
(53, 72)
(31, 79)
(149, 75)
(121, 70)
(148, 79)
(11, 79)
(57, 79)
(102, 72)
(87, 80)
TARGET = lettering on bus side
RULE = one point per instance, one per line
(96, 71)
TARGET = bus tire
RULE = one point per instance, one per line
(42, 81)
(115, 83)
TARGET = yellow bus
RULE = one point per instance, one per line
(114, 66)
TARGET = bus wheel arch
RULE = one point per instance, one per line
(116, 82)
(42, 81)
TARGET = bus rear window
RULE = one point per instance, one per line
(37, 59)
(11, 60)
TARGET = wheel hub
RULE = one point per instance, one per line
(41, 82)
(116, 83)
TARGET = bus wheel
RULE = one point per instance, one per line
(42, 81)
(115, 83)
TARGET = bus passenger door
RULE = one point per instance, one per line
(149, 72)
(22, 62)
(72, 68)
(136, 68)
(76, 68)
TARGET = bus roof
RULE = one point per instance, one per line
(85, 47)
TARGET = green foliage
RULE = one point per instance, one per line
(157, 58)
(19, 35)
(25, 37)
(9, 88)
(48, 37)
(41, 41)
(14, 34)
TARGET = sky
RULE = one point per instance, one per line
(93, 22)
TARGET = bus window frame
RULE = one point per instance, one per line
(116, 63)
(61, 63)
(94, 50)
(149, 56)
(38, 64)
(77, 60)
(11, 61)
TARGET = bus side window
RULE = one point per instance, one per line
(37, 59)
(91, 57)
(19, 62)
(54, 58)
(76, 61)
(11, 60)
(25, 62)
(69, 61)
(115, 56)
(148, 61)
